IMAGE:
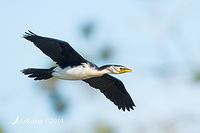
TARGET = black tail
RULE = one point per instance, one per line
(38, 74)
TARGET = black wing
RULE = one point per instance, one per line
(59, 51)
(113, 89)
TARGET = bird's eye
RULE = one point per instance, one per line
(122, 69)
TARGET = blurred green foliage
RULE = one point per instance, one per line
(103, 128)
(106, 52)
(59, 104)
(1, 130)
(197, 76)
(88, 29)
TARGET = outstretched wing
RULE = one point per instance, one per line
(113, 89)
(59, 51)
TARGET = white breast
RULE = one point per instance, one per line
(81, 72)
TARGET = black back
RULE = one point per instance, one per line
(59, 51)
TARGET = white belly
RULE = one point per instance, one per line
(76, 73)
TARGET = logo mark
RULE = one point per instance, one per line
(16, 121)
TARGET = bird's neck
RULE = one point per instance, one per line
(105, 71)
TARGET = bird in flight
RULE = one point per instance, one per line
(72, 66)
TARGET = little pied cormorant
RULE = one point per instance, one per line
(72, 66)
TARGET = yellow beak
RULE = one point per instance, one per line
(125, 70)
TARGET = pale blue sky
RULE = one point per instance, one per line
(158, 39)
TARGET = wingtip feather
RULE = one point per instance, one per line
(28, 34)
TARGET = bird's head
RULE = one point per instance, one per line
(115, 69)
